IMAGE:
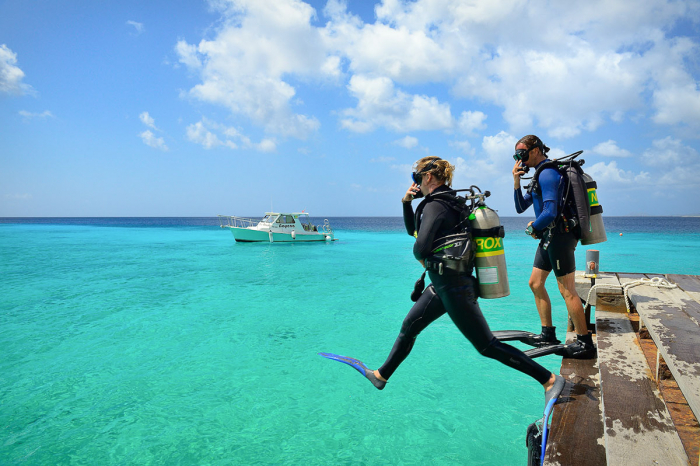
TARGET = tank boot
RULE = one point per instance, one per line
(582, 348)
(546, 338)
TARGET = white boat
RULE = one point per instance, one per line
(277, 228)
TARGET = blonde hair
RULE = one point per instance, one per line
(441, 169)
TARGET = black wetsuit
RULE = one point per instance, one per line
(452, 293)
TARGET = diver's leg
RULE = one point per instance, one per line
(583, 347)
(459, 298)
(540, 272)
(567, 288)
(562, 256)
(424, 311)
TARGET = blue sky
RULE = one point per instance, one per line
(199, 108)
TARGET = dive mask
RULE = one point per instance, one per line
(417, 177)
(522, 155)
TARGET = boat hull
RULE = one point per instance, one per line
(247, 235)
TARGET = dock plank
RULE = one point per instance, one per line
(672, 318)
(577, 424)
(688, 283)
(628, 277)
(635, 433)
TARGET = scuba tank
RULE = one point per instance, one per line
(580, 202)
(490, 261)
(479, 242)
(596, 232)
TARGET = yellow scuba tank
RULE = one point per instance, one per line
(596, 232)
(490, 261)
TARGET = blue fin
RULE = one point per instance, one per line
(356, 363)
(545, 427)
(551, 397)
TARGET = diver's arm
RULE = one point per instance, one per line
(522, 202)
(433, 215)
(550, 183)
(409, 219)
(549, 213)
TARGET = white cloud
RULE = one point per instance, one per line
(266, 145)
(244, 66)
(597, 60)
(10, 75)
(199, 134)
(611, 175)
(138, 27)
(151, 140)
(487, 167)
(678, 105)
(381, 105)
(211, 134)
(610, 149)
(469, 122)
(668, 152)
(147, 120)
(463, 146)
(400, 53)
(30, 115)
(500, 147)
(674, 168)
(187, 55)
(408, 142)
(593, 62)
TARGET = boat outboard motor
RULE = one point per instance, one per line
(596, 233)
(490, 262)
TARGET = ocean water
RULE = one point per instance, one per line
(164, 342)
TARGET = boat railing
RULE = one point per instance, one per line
(327, 227)
(229, 221)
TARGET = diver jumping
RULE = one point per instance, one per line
(454, 290)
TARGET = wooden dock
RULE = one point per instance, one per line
(639, 402)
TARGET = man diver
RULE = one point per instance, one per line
(556, 248)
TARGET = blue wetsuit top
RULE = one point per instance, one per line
(546, 202)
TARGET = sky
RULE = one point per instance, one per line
(236, 107)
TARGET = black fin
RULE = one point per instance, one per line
(559, 350)
(522, 336)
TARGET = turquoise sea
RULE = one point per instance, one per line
(162, 341)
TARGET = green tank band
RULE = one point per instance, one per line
(592, 197)
(486, 247)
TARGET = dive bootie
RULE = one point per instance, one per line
(552, 395)
(547, 337)
(582, 348)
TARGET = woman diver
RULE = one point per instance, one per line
(453, 290)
